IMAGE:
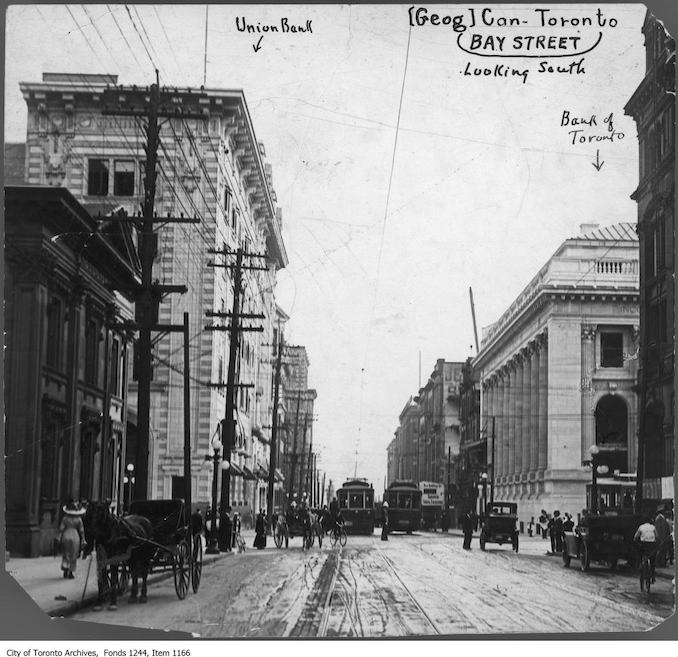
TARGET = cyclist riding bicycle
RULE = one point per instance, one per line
(646, 540)
(338, 523)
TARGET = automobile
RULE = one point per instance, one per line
(602, 538)
(500, 525)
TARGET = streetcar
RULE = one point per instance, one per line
(432, 502)
(404, 506)
(356, 501)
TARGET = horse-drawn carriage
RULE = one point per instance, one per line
(294, 524)
(177, 547)
(157, 535)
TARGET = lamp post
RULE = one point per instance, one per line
(215, 458)
(483, 479)
(129, 480)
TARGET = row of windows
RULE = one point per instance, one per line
(123, 177)
(658, 143)
(57, 322)
(658, 250)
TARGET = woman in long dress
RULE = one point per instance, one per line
(71, 538)
(260, 529)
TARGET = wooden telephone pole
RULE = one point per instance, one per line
(273, 461)
(150, 293)
(234, 330)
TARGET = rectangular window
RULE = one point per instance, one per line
(91, 351)
(97, 178)
(54, 333)
(227, 203)
(612, 350)
(123, 178)
(114, 368)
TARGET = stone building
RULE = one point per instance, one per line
(653, 108)
(214, 169)
(472, 461)
(557, 374)
(428, 429)
(66, 360)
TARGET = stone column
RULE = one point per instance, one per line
(527, 412)
(534, 410)
(519, 410)
(588, 434)
(499, 423)
(543, 403)
(512, 420)
(506, 423)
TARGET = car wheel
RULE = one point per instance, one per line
(585, 557)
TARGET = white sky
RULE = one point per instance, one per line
(485, 186)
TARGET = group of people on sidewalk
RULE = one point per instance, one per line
(554, 527)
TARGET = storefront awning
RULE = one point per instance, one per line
(279, 475)
(247, 473)
(262, 473)
(236, 470)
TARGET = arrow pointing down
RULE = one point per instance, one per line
(598, 164)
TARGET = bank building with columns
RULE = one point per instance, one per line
(557, 372)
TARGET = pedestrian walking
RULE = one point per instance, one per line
(552, 533)
(260, 531)
(544, 524)
(663, 532)
(671, 550)
(468, 523)
(226, 531)
(237, 525)
(384, 521)
(557, 532)
(568, 523)
(71, 538)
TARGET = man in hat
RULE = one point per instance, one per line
(384, 521)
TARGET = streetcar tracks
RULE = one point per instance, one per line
(389, 563)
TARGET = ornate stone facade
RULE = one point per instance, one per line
(564, 345)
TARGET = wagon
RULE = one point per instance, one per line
(499, 525)
(291, 525)
(603, 538)
(178, 548)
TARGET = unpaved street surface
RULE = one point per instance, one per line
(423, 584)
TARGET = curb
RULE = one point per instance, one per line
(69, 607)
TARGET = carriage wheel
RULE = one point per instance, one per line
(181, 569)
(196, 570)
(123, 579)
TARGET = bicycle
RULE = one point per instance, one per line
(338, 534)
(646, 575)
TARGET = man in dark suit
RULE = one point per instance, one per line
(468, 523)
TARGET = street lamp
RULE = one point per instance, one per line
(129, 480)
(215, 458)
(483, 478)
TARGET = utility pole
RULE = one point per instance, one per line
(234, 331)
(447, 494)
(303, 475)
(150, 294)
(273, 464)
(187, 424)
(322, 492)
(294, 450)
(309, 466)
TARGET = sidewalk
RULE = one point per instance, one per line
(42, 579)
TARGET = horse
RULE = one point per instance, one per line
(117, 541)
